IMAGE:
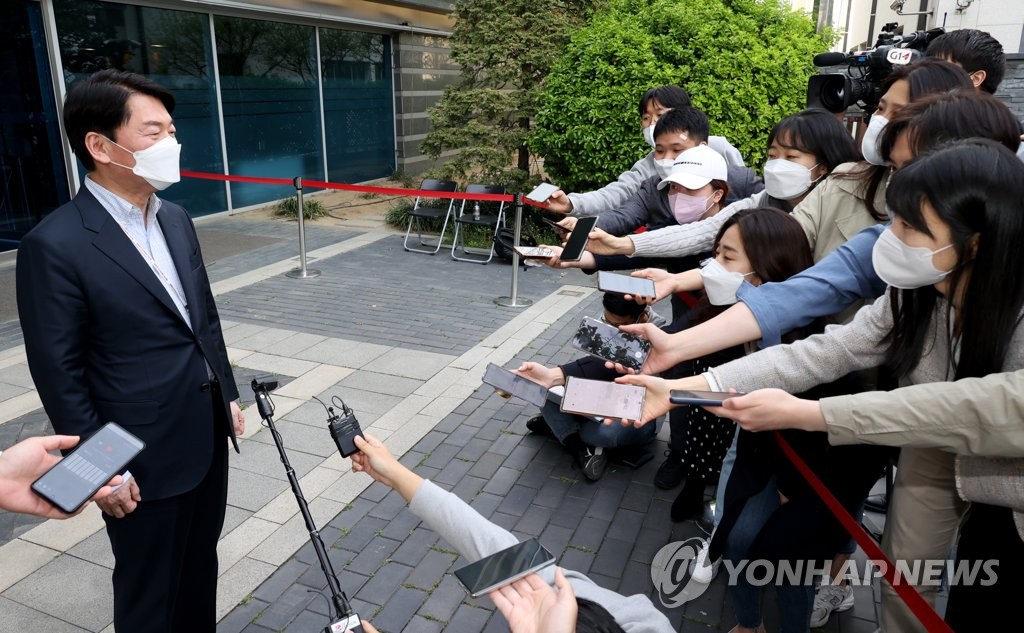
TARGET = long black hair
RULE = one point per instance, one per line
(975, 186)
(819, 133)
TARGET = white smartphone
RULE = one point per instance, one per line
(542, 192)
(603, 399)
(625, 284)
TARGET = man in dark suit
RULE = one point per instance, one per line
(120, 324)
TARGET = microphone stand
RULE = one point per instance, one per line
(343, 610)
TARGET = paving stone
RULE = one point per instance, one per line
(445, 599)
(570, 511)
(590, 534)
(555, 538)
(453, 471)
(384, 583)
(484, 463)
(419, 624)
(283, 610)
(468, 487)
(517, 500)
(88, 602)
(431, 570)
(440, 456)
(401, 526)
(399, 609)
(286, 575)
(506, 521)
(535, 476)
(361, 534)
(502, 481)
(486, 503)
(388, 507)
(626, 526)
(415, 547)
(376, 554)
(468, 618)
(241, 616)
(534, 520)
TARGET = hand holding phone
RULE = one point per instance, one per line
(610, 343)
(504, 567)
(509, 384)
(534, 252)
(577, 242)
(542, 192)
(625, 284)
(603, 399)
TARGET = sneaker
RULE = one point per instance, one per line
(704, 572)
(671, 473)
(829, 599)
(538, 425)
(594, 462)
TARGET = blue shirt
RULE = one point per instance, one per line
(833, 284)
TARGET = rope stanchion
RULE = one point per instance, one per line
(917, 605)
(301, 272)
(514, 300)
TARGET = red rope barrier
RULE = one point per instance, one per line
(920, 608)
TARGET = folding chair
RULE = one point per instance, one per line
(478, 213)
(430, 209)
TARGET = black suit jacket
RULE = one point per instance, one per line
(105, 341)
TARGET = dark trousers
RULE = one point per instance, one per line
(165, 570)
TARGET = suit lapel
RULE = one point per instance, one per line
(177, 244)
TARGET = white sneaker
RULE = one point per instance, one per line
(829, 598)
(704, 572)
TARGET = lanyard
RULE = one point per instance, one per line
(179, 293)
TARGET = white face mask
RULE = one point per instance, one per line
(664, 166)
(872, 136)
(905, 267)
(720, 284)
(785, 179)
(649, 135)
(158, 163)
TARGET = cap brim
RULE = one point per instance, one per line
(690, 181)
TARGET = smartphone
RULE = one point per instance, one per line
(577, 242)
(610, 343)
(510, 384)
(504, 567)
(603, 399)
(542, 192)
(701, 398)
(625, 285)
(75, 479)
(534, 252)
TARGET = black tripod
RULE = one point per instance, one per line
(343, 619)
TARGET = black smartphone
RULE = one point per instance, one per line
(504, 567)
(625, 285)
(701, 398)
(511, 384)
(577, 242)
(75, 479)
(603, 399)
(597, 338)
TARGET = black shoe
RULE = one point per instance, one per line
(593, 461)
(706, 521)
(632, 456)
(877, 503)
(671, 473)
(689, 502)
(538, 425)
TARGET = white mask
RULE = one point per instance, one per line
(872, 137)
(785, 179)
(158, 163)
(664, 166)
(905, 267)
(649, 135)
(720, 284)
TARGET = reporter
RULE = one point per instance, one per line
(25, 462)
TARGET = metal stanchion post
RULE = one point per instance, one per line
(514, 300)
(301, 272)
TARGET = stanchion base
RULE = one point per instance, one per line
(296, 273)
(518, 302)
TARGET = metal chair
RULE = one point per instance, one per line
(424, 209)
(478, 213)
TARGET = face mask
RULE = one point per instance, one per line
(158, 163)
(719, 284)
(785, 179)
(905, 267)
(686, 208)
(649, 135)
(664, 166)
(869, 143)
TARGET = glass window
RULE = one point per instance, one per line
(171, 48)
(271, 104)
(358, 105)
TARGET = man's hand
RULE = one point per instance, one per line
(237, 418)
(559, 202)
(122, 501)
(532, 606)
(604, 243)
(25, 462)
(545, 376)
(772, 410)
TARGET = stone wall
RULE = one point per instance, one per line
(1011, 90)
(422, 69)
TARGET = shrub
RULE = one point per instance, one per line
(311, 208)
(744, 62)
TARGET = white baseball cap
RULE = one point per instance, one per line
(696, 167)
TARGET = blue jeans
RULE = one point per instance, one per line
(795, 601)
(592, 432)
(723, 478)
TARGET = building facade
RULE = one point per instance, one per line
(324, 89)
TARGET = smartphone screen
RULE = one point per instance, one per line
(534, 252)
(603, 399)
(76, 478)
(610, 343)
(577, 242)
(504, 567)
(515, 385)
(542, 192)
(625, 285)
(702, 398)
